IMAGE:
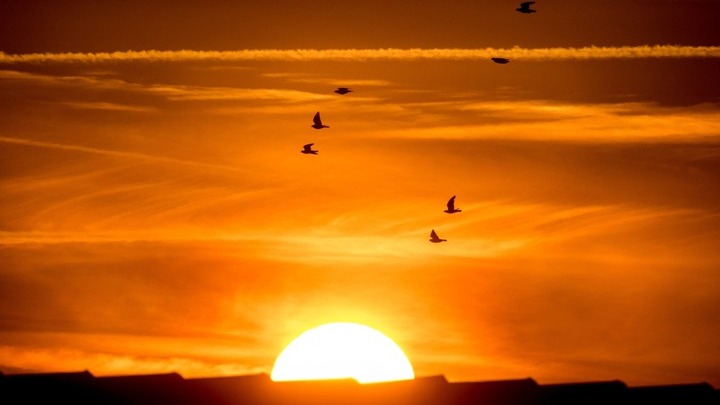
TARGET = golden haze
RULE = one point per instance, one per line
(157, 215)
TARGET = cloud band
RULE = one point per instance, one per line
(585, 53)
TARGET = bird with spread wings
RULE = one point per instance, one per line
(307, 149)
(525, 7)
(434, 237)
(451, 206)
(317, 122)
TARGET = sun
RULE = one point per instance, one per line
(342, 350)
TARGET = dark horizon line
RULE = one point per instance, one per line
(430, 378)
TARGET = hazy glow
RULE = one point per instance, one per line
(157, 214)
(342, 350)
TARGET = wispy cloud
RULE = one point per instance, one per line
(542, 120)
(108, 152)
(170, 92)
(302, 78)
(584, 53)
(225, 360)
(227, 93)
(106, 106)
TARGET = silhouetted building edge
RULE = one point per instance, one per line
(258, 389)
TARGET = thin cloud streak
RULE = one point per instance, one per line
(107, 106)
(584, 53)
(607, 123)
(170, 92)
(106, 152)
(103, 361)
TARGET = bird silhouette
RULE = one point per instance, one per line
(343, 90)
(434, 238)
(525, 7)
(501, 61)
(451, 206)
(317, 122)
(307, 149)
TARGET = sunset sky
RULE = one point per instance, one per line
(156, 214)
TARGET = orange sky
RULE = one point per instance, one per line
(156, 214)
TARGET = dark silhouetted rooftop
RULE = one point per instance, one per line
(172, 388)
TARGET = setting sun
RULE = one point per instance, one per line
(342, 350)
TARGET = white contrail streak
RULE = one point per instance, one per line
(585, 53)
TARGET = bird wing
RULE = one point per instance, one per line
(451, 204)
(316, 119)
(308, 146)
(433, 234)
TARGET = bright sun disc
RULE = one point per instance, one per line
(342, 350)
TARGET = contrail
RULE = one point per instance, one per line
(308, 55)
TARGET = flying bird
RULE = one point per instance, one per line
(525, 7)
(451, 206)
(434, 238)
(317, 122)
(307, 149)
(501, 61)
(343, 90)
